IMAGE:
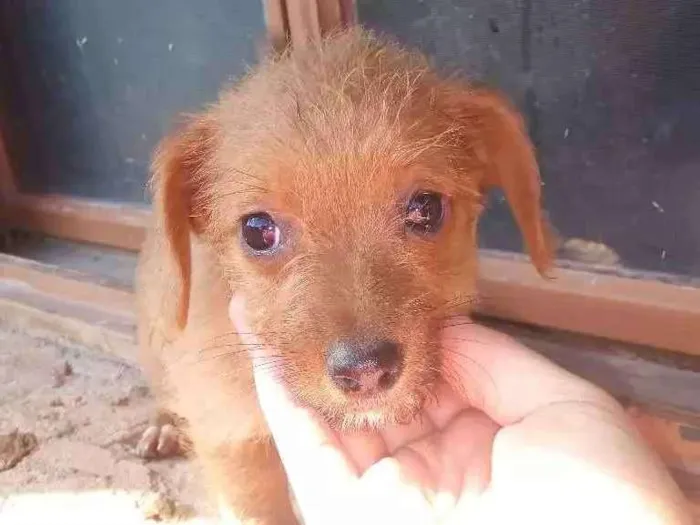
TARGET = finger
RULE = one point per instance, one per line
(320, 474)
(467, 442)
(363, 448)
(390, 493)
(455, 461)
(396, 436)
(444, 406)
(439, 469)
(505, 379)
(471, 472)
(308, 448)
(309, 451)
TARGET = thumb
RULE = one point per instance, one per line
(318, 469)
(505, 379)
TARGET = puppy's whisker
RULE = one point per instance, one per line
(239, 347)
(462, 363)
(237, 333)
(269, 368)
(231, 343)
(223, 356)
(270, 363)
(246, 175)
(454, 323)
(460, 339)
(267, 361)
(454, 376)
(239, 192)
(228, 353)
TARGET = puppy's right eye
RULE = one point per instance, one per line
(260, 232)
(425, 212)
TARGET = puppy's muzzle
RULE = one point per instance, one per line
(364, 367)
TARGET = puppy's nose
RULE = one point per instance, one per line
(364, 367)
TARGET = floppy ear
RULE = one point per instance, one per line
(502, 146)
(178, 170)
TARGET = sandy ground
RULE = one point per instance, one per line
(79, 414)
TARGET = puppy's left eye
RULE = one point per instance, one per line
(260, 232)
(425, 212)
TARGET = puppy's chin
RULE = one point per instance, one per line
(375, 414)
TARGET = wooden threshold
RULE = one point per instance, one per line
(58, 304)
(71, 286)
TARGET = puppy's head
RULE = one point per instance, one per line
(340, 187)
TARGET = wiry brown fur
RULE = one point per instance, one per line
(331, 141)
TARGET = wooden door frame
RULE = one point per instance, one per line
(310, 19)
(631, 309)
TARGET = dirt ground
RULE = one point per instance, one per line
(78, 414)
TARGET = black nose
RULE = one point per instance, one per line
(364, 367)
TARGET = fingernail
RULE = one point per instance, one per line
(236, 308)
(236, 313)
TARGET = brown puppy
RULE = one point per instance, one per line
(337, 189)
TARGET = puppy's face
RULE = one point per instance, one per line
(341, 188)
(349, 259)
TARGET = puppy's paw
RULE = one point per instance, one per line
(163, 438)
(159, 442)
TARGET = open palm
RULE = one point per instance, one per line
(529, 442)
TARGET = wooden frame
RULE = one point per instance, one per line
(87, 220)
(633, 310)
(8, 190)
(277, 23)
(7, 182)
(310, 19)
(646, 312)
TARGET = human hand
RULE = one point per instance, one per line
(518, 440)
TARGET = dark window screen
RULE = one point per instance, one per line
(611, 92)
(89, 86)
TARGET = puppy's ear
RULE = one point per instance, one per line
(178, 170)
(499, 139)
